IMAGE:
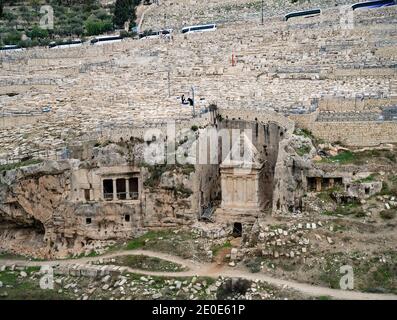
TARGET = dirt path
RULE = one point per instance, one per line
(214, 271)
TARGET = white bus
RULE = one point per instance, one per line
(66, 44)
(11, 48)
(199, 28)
(105, 40)
(166, 33)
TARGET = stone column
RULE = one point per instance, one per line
(127, 188)
(114, 190)
(244, 190)
(223, 189)
(318, 184)
(235, 191)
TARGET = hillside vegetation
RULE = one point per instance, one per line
(20, 20)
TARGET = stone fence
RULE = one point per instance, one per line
(351, 133)
(90, 271)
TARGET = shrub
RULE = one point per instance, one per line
(94, 27)
(303, 150)
(13, 37)
(254, 264)
(101, 14)
(232, 287)
(37, 33)
(25, 163)
(343, 157)
(1, 7)
(217, 248)
(9, 16)
(124, 10)
(353, 209)
(77, 30)
(388, 214)
(304, 133)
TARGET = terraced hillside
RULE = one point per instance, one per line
(283, 66)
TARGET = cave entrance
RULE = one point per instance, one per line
(311, 184)
(38, 227)
(237, 230)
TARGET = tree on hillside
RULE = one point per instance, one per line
(35, 4)
(124, 10)
(1, 7)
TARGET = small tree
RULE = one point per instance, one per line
(1, 7)
(13, 37)
(124, 10)
(38, 33)
(77, 29)
(93, 27)
(35, 4)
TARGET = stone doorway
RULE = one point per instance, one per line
(237, 230)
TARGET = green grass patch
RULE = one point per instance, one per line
(217, 248)
(325, 196)
(12, 166)
(370, 178)
(370, 275)
(18, 288)
(11, 256)
(140, 242)
(351, 209)
(304, 133)
(91, 254)
(181, 244)
(342, 158)
(308, 134)
(303, 150)
(324, 298)
(363, 157)
(148, 263)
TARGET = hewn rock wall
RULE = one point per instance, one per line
(54, 209)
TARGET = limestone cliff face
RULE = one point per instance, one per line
(54, 209)
(294, 161)
(169, 200)
(29, 197)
